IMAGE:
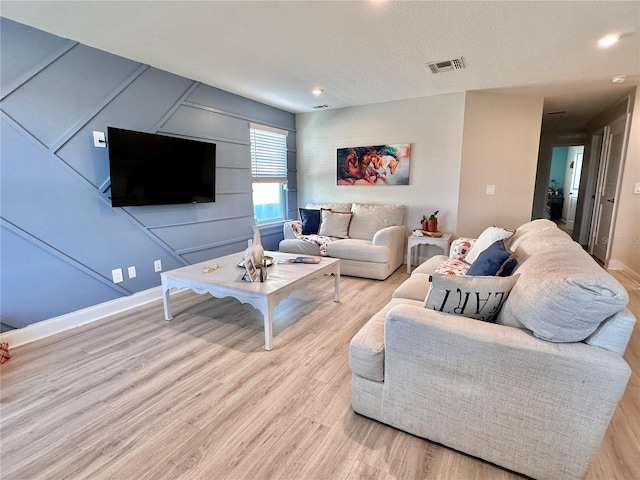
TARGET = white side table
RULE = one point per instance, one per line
(444, 242)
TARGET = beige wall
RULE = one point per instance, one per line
(499, 147)
(433, 126)
(626, 238)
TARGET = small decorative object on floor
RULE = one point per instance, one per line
(4, 352)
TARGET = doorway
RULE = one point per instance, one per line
(564, 184)
(612, 145)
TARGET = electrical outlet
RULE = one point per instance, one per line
(117, 275)
(132, 272)
(636, 190)
(157, 266)
(491, 189)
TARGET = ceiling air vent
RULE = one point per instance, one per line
(320, 107)
(446, 65)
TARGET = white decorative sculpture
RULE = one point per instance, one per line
(256, 252)
(257, 243)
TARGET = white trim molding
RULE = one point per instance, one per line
(59, 324)
(618, 265)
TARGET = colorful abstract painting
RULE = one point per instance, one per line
(374, 165)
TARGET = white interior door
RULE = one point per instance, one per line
(607, 190)
(573, 191)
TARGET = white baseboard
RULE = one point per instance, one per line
(617, 265)
(45, 328)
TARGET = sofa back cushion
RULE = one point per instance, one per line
(335, 207)
(532, 226)
(541, 242)
(368, 219)
(562, 295)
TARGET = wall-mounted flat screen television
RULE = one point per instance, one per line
(151, 169)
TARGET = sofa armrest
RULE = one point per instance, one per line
(290, 228)
(483, 388)
(390, 237)
(393, 238)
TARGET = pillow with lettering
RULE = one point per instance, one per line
(473, 297)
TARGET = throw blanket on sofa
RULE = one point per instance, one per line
(321, 240)
(455, 264)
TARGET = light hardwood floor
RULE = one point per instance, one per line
(135, 397)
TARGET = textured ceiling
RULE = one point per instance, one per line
(367, 51)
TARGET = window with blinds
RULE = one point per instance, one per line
(269, 172)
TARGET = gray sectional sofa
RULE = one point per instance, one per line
(533, 392)
(371, 247)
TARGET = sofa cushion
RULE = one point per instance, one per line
(614, 333)
(489, 236)
(359, 250)
(532, 226)
(563, 295)
(495, 260)
(301, 246)
(472, 297)
(335, 207)
(542, 241)
(310, 221)
(430, 265)
(366, 350)
(334, 224)
(453, 266)
(368, 219)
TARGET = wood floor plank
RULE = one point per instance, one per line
(286, 457)
(135, 397)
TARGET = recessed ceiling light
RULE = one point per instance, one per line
(608, 40)
(618, 78)
(317, 91)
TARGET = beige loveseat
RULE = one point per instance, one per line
(371, 245)
(534, 392)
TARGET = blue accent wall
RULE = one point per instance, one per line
(59, 236)
(558, 165)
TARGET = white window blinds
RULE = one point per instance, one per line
(268, 154)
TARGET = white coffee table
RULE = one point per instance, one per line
(226, 281)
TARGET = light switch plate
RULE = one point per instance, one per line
(491, 189)
(636, 190)
(117, 275)
(99, 140)
(132, 272)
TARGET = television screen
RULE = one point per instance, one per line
(150, 169)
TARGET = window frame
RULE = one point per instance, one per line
(269, 144)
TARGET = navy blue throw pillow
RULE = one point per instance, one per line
(496, 260)
(310, 221)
